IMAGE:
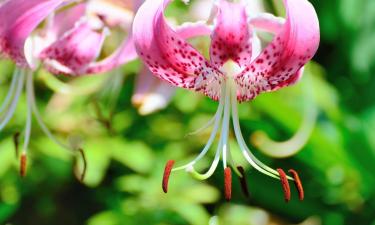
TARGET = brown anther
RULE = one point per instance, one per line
(228, 183)
(84, 169)
(167, 172)
(243, 182)
(285, 184)
(298, 183)
(16, 141)
(23, 164)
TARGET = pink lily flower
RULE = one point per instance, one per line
(69, 43)
(234, 73)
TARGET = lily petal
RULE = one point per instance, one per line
(168, 55)
(65, 20)
(72, 53)
(18, 19)
(151, 94)
(268, 22)
(280, 62)
(126, 52)
(231, 38)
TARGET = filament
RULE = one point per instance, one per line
(211, 139)
(10, 112)
(12, 88)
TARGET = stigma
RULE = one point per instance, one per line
(228, 110)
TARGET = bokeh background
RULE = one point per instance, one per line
(332, 110)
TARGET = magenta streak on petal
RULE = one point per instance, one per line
(168, 55)
(279, 63)
(18, 19)
(231, 38)
(72, 53)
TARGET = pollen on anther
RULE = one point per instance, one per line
(228, 183)
(298, 183)
(285, 184)
(23, 165)
(243, 182)
(167, 173)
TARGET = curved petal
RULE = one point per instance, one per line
(231, 38)
(125, 53)
(56, 26)
(168, 55)
(268, 22)
(18, 19)
(72, 53)
(151, 94)
(280, 62)
(65, 20)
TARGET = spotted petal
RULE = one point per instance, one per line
(280, 62)
(231, 38)
(168, 55)
(18, 19)
(73, 52)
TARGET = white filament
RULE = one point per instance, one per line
(10, 112)
(257, 164)
(15, 78)
(225, 126)
(32, 102)
(217, 120)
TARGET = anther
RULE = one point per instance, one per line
(84, 170)
(228, 183)
(285, 184)
(167, 173)
(298, 183)
(23, 164)
(243, 182)
(16, 141)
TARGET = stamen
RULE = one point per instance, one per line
(228, 183)
(285, 184)
(241, 142)
(16, 141)
(10, 110)
(199, 130)
(243, 182)
(167, 173)
(84, 170)
(212, 168)
(298, 183)
(11, 91)
(23, 164)
(38, 117)
(217, 117)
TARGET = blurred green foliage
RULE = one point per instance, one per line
(123, 182)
